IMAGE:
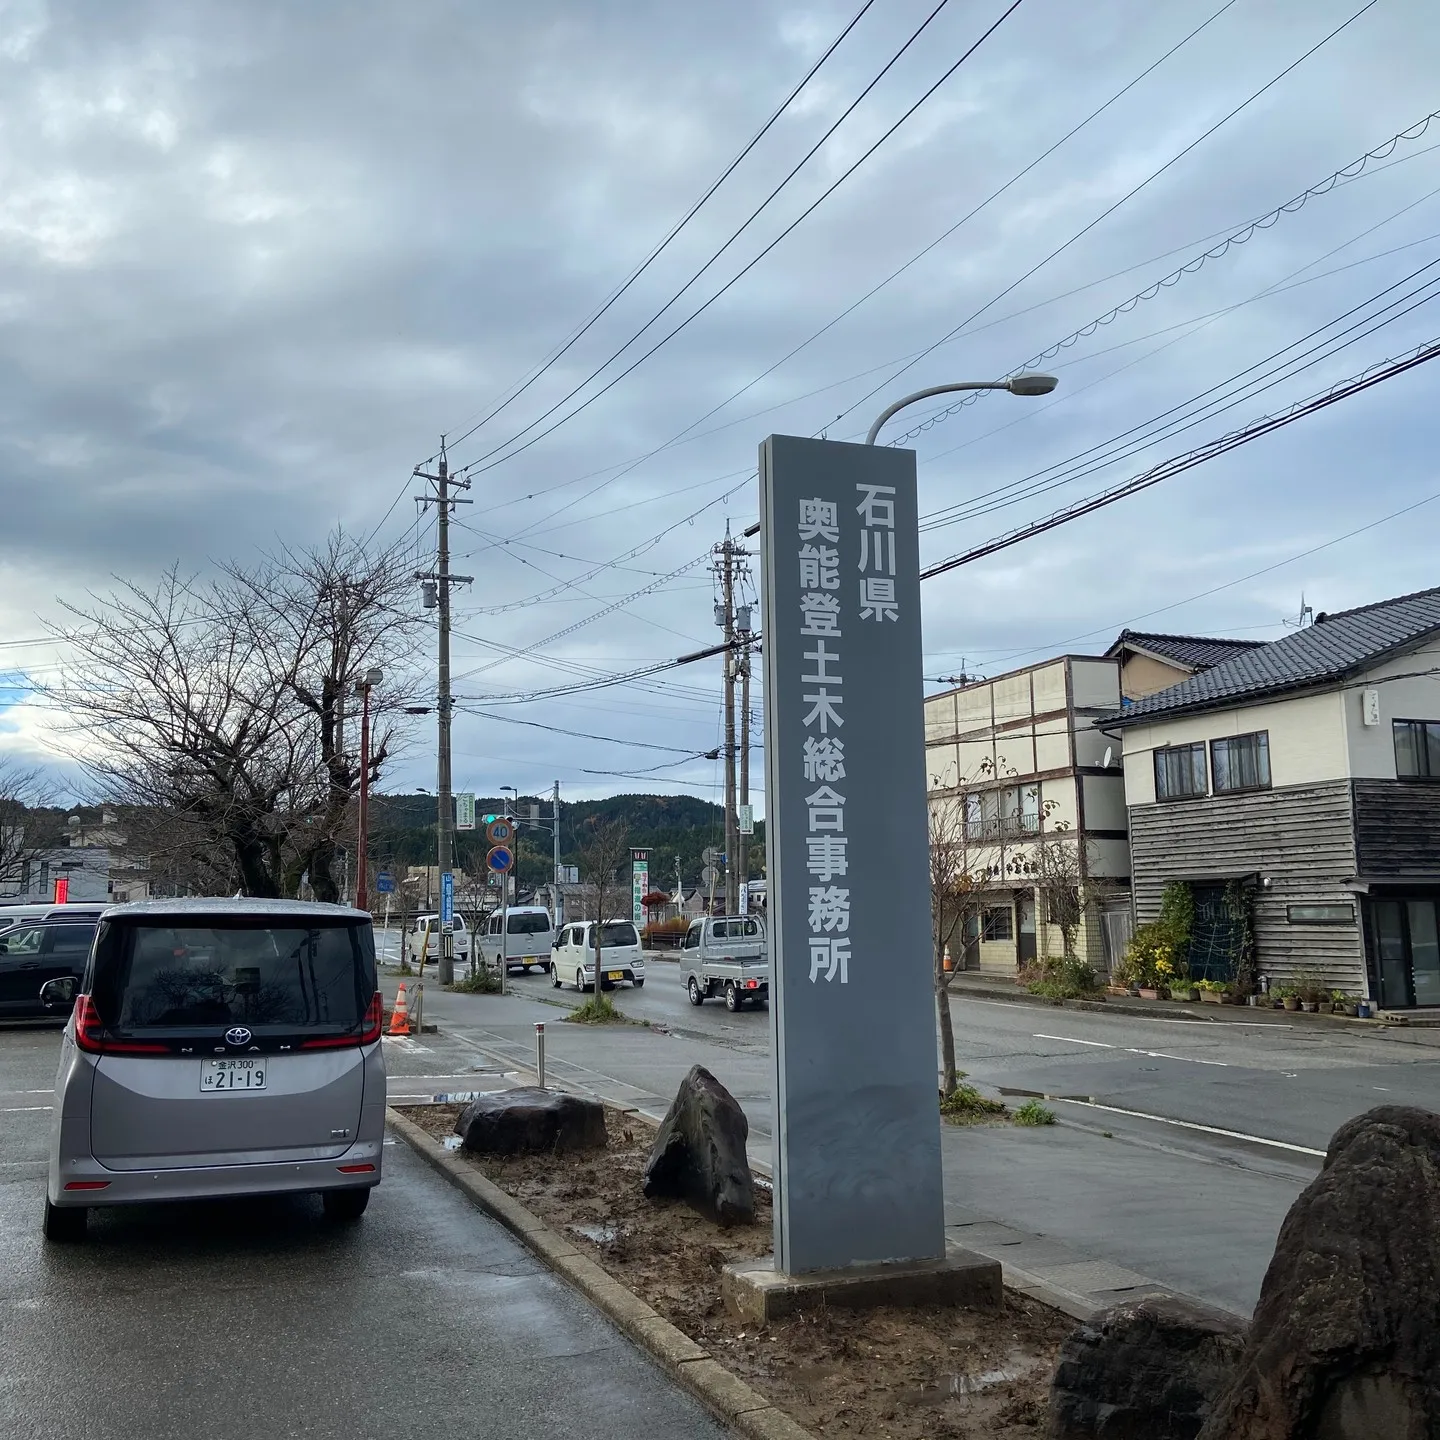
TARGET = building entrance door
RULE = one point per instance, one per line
(1407, 944)
(1025, 950)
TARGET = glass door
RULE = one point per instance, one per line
(1424, 952)
(1390, 948)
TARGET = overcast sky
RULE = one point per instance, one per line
(256, 256)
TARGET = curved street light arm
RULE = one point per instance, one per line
(926, 394)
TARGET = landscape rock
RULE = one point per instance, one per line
(699, 1152)
(1149, 1369)
(530, 1121)
(1345, 1343)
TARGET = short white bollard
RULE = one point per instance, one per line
(540, 1051)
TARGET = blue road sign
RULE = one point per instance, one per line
(384, 883)
(447, 897)
(500, 859)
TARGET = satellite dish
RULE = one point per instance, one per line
(1109, 752)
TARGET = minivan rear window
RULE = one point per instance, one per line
(264, 976)
(522, 924)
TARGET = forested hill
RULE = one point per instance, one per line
(669, 826)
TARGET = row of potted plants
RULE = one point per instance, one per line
(1222, 992)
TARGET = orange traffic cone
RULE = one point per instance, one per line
(949, 963)
(400, 1016)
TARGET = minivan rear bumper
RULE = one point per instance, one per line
(209, 1182)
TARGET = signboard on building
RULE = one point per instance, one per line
(857, 1130)
(465, 811)
(639, 884)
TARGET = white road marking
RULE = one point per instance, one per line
(1191, 1125)
(1132, 1050)
(18, 1109)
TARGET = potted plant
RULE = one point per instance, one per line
(1183, 988)
(1289, 996)
(1212, 992)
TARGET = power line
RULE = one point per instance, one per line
(659, 249)
(1111, 209)
(729, 284)
(1173, 420)
(1238, 236)
(1198, 456)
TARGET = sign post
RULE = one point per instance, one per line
(499, 862)
(857, 1126)
(639, 885)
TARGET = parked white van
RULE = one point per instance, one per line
(460, 945)
(527, 938)
(573, 959)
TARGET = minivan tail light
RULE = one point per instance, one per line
(90, 1034)
(374, 1023)
(87, 1184)
(347, 1170)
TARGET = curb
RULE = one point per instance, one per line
(1162, 1011)
(725, 1395)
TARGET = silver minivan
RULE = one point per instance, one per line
(219, 1048)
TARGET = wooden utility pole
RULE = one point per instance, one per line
(728, 560)
(742, 839)
(441, 580)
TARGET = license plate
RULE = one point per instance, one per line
(614, 974)
(232, 1075)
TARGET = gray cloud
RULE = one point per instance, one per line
(254, 257)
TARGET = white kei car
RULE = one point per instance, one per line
(572, 961)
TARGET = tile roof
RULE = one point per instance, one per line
(1196, 652)
(1334, 647)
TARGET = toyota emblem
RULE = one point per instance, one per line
(238, 1036)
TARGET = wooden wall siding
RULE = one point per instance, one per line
(1397, 828)
(1302, 838)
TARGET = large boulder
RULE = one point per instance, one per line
(530, 1121)
(1149, 1369)
(699, 1152)
(1345, 1343)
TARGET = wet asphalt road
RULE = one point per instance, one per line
(424, 1319)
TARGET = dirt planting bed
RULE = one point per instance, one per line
(909, 1374)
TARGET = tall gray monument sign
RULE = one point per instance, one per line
(857, 1127)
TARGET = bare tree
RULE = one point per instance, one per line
(604, 853)
(958, 889)
(1059, 880)
(222, 704)
(23, 790)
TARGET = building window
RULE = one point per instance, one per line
(1417, 749)
(1180, 772)
(1339, 912)
(999, 923)
(1242, 762)
(1002, 814)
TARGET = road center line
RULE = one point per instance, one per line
(20, 1109)
(1071, 1040)
(1189, 1059)
(1193, 1125)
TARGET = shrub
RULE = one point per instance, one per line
(1032, 1112)
(597, 1010)
(484, 981)
(965, 1105)
(1065, 978)
(1150, 959)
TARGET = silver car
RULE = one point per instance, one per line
(219, 1048)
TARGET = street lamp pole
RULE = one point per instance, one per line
(373, 677)
(1028, 384)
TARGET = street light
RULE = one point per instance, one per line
(1028, 384)
(373, 676)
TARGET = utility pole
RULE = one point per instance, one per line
(559, 894)
(725, 564)
(437, 585)
(742, 839)
(735, 622)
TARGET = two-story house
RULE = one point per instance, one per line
(1307, 771)
(1018, 762)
